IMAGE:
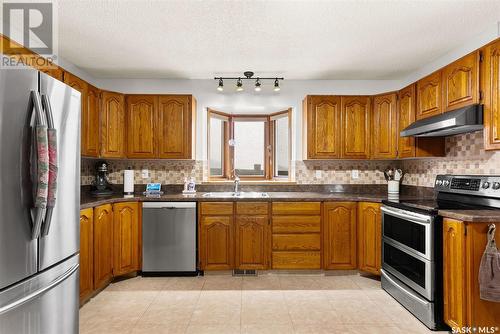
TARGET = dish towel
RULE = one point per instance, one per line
(489, 270)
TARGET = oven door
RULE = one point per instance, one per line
(410, 231)
(415, 271)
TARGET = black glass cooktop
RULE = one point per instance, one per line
(429, 206)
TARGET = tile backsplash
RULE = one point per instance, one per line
(465, 154)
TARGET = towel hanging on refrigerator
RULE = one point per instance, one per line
(489, 269)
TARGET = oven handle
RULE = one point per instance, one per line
(422, 219)
(409, 294)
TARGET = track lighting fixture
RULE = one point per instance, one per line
(220, 88)
(248, 76)
(276, 85)
(257, 85)
(239, 85)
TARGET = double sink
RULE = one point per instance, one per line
(239, 194)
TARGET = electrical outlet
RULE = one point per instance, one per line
(355, 174)
(145, 173)
(319, 174)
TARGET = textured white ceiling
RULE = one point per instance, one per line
(296, 39)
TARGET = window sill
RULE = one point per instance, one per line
(284, 182)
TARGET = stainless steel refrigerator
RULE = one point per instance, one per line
(39, 241)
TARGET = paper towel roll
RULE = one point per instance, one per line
(128, 181)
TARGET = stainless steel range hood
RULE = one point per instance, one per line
(466, 119)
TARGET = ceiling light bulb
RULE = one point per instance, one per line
(257, 85)
(239, 85)
(276, 85)
(220, 88)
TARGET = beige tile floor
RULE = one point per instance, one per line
(271, 303)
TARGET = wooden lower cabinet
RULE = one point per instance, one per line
(216, 243)
(103, 245)
(86, 253)
(296, 235)
(463, 247)
(339, 235)
(252, 242)
(369, 237)
(126, 227)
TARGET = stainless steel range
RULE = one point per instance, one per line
(412, 242)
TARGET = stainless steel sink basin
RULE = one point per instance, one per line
(241, 194)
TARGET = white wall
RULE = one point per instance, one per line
(267, 101)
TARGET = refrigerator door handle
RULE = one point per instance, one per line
(53, 167)
(40, 165)
(36, 293)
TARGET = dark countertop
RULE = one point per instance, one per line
(474, 216)
(88, 200)
(362, 193)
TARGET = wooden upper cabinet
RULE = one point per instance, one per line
(339, 235)
(355, 128)
(252, 241)
(429, 96)
(384, 127)
(56, 72)
(86, 253)
(491, 88)
(90, 123)
(141, 119)
(369, 237)
(406, 145)
(461, 82)
(454, 272)
(216, 243)
(112, 125)
(103, 245)
(322, 128)
(175, 122)
(76, 83)
(126, 226)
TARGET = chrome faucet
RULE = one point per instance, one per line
(236, 184)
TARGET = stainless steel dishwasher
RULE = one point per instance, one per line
(169, 237)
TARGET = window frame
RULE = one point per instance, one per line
(269, 145)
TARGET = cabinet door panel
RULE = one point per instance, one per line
(112, 125)
(339, 236)
(384, 127)
(216, 243)
(461, 82)
(323, 124)
(175, 127)
(103, 245)
(429, 96)
(81, 86)
(86, 253)
(369, 237)
(252, 242)
(492, 97)
(91, 124)
(355, 127)
(406, 145)
(454, 272)
(141, 118)
(126, 238)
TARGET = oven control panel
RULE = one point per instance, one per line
(479, 185)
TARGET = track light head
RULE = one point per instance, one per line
(276, 85)
(239, 85)
(257, 85)
(220, 88)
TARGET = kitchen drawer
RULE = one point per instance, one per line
(252, 208)
(216, 208)
(296, 224)
(296, 260)
(287, 242)
(296, 208)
